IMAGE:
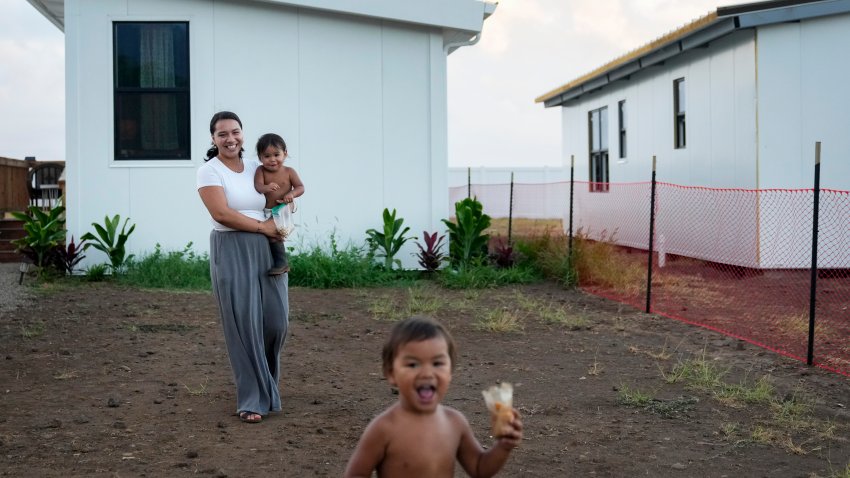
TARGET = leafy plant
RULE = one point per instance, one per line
(503, 254)
(69, 255)
(110, 241)
(388, 243)
(170, 270)
(467, 241)
(45, 231)
(96, 273)
(431, 256)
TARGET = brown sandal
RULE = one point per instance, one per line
(250, 417)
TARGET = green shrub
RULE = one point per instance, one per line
(331, 267)
(45, 232)
(467, 240)
(548, 253)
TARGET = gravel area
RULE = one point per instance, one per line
(12, 295)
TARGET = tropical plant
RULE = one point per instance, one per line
(503, 254)
(111, 242)
(69, 255)
(431, 256)
(387, 244)
(467, 241)
(45, 231)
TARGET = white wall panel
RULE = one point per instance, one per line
(360, 102)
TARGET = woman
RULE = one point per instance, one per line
(254, 306)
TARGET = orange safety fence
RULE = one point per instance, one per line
(737, 261)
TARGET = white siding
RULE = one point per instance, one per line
(360, 102)
(720, 99)
(803, 98)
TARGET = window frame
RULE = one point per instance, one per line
(621, 117)
(679, 114)
(181, 94)
(600, 154)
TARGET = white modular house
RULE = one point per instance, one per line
(356, 88)
(735, 99)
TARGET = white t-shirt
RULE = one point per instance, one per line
(238, 188)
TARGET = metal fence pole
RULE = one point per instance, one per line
(511, 209)
(468, 182)
(572, 183)
(813, 292)
(651, 238)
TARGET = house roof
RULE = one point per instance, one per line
(460, 20)
(699, 32)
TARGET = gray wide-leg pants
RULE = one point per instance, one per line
(254, 310)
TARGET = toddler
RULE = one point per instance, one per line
(279, 183)
(417, 436)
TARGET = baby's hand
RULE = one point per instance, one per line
(510, 435)
(272, 187)
(288, 198)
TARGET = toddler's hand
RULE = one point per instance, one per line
(288, 198)
(510, 435)
(273, 186)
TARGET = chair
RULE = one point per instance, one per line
(43, 184)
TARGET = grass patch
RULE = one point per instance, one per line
(500, 320)
(698, 373)
(181, 270)
(32, 330)
(549, 312)
(420, 301)
(600, 262)
(548, 253)
(762, 435)
(632, 397)
(485, 276)
(197, 391)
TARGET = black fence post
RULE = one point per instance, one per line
(468, 182)
(651, 239)
(511, 209)
(813, 292)
(572, 183)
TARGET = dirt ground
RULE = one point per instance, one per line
(102, 380)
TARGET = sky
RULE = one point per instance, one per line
(527, 48)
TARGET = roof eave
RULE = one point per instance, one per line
(725, 20)
(54, 11)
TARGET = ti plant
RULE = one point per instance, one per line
(503, 254)
(431, 256)
(111, 242)
(467, 241)
(45, 232)
(387, 244)
(69, 255)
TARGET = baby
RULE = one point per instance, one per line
(277, 182)
(417, 436)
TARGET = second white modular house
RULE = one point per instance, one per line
(735, 99)
(356, 88)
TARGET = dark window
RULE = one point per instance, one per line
(151, 81)
(679, 111)
(621, 113)
(598, 128)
